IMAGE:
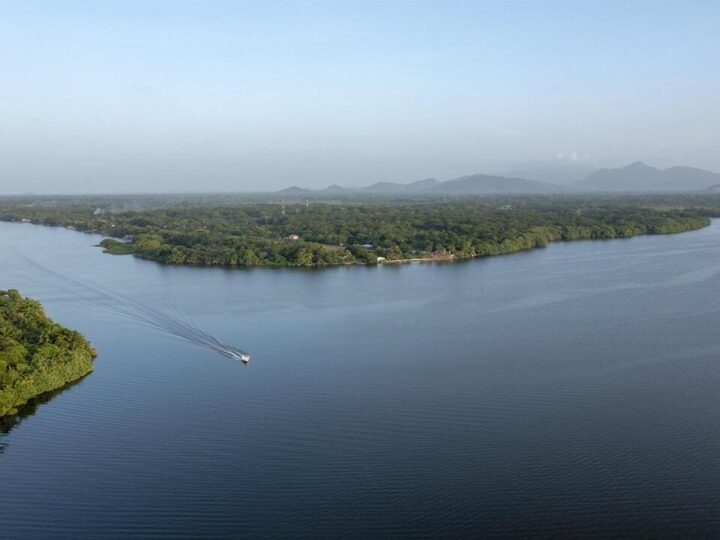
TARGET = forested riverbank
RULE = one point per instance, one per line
(37, 355)
(356, 232)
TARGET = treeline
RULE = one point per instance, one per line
(37, 355)
(323, 234)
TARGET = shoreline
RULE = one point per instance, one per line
(449, 258)
(37, 366)
(205, 255)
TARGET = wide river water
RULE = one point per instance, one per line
(573, 390)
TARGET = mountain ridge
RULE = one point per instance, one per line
(465, 185)
(636, 177)
(641, 177)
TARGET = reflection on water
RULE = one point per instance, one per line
(11, 421)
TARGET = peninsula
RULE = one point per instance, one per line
(37, 355)
(357, 231)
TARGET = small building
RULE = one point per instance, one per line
(367, 246)
(380, 259)
(293, 236)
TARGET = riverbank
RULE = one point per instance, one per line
(37, 355)
(324, 235)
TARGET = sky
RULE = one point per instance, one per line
(125, 96)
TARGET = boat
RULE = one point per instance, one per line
(238, 355)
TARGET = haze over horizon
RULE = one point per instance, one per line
(111, 97)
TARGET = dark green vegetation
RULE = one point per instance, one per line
(37, 355)
(355, 231)
(29, 409)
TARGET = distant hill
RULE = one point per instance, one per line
(392, 187)
(560, 174)
(466, 185)
(636, 177)
(294, 191)
(335, 190)
(639, 176)
(484, 183)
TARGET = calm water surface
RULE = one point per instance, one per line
(573, 390)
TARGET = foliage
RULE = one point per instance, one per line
(37, 355)
(358, 232)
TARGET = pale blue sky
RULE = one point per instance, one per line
(200, 96)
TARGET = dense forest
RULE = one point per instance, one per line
(37, 355)
(328, 233)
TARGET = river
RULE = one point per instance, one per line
(572, 390)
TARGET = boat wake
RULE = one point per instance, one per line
(163, 318)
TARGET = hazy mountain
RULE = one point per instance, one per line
(465, 185)
(424, 185)
(639, 176)
(484, 183)
(335, 190)
(561, 174)
(393, 187)
(384, 187)
(294, 191)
